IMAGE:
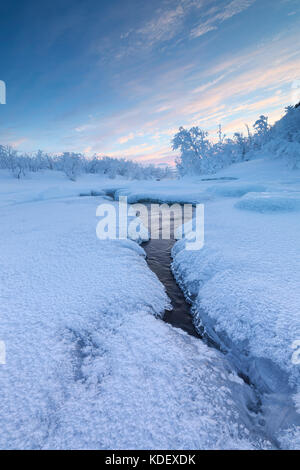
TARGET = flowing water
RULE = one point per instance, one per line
(159, 260)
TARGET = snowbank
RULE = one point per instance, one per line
(244, 283)
(270, 202)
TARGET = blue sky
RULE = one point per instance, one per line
(118, 77)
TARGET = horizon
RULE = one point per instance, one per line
(140, 71)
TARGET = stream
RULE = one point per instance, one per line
(159, 260)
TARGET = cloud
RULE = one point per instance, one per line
(18, 142)
(234, 8)
(162, 109)
(133, 151)
(10, 136)
(126, 138)
(166, 23)
(175, 20)
(219, 15)
(163, 26)
(233, 100)
(230, 89)
(202, 29)
(210, 84)
(82, 128)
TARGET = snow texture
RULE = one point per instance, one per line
(88, 362)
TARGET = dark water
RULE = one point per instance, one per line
(159, 260)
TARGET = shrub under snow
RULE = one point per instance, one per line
(198, 155)
(74, 164)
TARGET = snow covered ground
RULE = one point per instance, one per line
(88, 362)
(244, 283)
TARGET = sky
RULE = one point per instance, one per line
(118, 77)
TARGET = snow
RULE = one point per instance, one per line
(248, 272)
(244, 283)
(89, 364)
(270, 202)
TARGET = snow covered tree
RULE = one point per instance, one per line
(241, 146)
(284, 138)
(72, 164)
(194, 146)
(261, 125)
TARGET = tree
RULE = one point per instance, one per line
(241, 142)
(194, 146)
(71, 164)
(261, 125)
(221, 136)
